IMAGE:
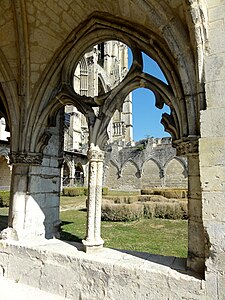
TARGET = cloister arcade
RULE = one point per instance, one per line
(41, 45)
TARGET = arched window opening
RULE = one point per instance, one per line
(66, 174)
(146, 117)
(101, 68)
(79, 175)
(4, 134)
(137, 141)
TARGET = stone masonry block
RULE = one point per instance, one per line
(196, 243)
(211, 284)
(195, 210)
(213, 206)
(213, 122)
(213, 178)
(216, 233)
(50, 170)
(54, 162)
(215, 67)
(52, 200)
(44, 184)
(221, 286)
(215, 91)
(212, 151)
(217, 12)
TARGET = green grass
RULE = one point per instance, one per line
(157, 236)
(72, 202)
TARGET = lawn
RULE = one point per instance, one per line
(157, 236)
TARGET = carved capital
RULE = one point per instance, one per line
(95, 154)
(185, 148)
(25, 158)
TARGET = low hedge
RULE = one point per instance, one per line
(114, 211)
(121, 212)
(74, 191)
(80, 191)
(166, 192)
(4, 198)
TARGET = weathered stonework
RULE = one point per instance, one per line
(41, 42)
(150, 163)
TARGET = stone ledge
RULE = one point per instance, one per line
(12, 290)
(62, 268)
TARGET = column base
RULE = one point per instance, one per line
(93, 246)
(9, 234)
(196, 264)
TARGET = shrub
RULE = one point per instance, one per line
(79, 191)
(117, 211)
(147, 192)
(149, 209)
(166, 192)
(168, 210)
(105, 191)
(74, 191)
(4, 198)
(121, 212)
(122, 199)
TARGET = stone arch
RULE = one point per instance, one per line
(167, 42)
(83, 77)
(175, 172)
(9, 111)
(151, 174)
(66, 173)
(112, 176)
(179, 124)
(130, 176)
(79, 174)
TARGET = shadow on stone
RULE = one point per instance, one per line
(3, 222)
(176, 263)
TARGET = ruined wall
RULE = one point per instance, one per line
(151, 163)
(151, 174)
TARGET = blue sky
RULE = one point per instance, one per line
(146, 117)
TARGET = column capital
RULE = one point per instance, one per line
(188, 146)
(95, 153)
(30, 158)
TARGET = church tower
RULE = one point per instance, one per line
(100, 70)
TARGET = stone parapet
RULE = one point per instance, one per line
(61, 268)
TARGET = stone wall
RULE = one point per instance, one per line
(63, 269)
(150, 163)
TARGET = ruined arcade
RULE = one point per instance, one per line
(41, 44)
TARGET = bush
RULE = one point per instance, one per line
(121, 212)
(147, 192)
(149, 210)
(105, 191)
(4, 198)
(74, 191)
(166, 192)
(168, 211)
(80, 191)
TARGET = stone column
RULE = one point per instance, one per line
(93, 240)
(23, 212)
(34, 198)
(196, 235)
